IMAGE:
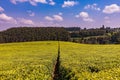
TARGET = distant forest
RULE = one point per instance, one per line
(24, 34)
(102, 35)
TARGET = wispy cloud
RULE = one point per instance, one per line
(107, 19)
(1, 9)
(33, 2)
(93, 7)
(15, 1)
(30, 13)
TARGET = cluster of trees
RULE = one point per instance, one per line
(100, 35)
(97, 40)
(23, 34)
(115, 38)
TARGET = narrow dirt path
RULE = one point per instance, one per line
(60, 72)
(57, 65)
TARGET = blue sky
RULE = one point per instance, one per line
(67, 13)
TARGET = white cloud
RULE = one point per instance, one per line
(85, 16)
(69, 3)
(34, 2)
(31, 13)
(40, 1)
(93, 7)
(8, 19)
(51, 2)
(48, 18)
(57, 18)
(1, 9)
(5, 19)
(25, 21)
(113, 8)
(54, 18)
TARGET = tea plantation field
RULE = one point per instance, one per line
(92, 62)
(36, 60)
(27, 61)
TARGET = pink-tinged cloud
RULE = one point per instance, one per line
(25, 21)
(1, 9)
(7, 19)
(13, 1)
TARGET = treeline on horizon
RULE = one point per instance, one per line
(102, 35)
(24, 34)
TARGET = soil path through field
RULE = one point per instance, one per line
(57, 65)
